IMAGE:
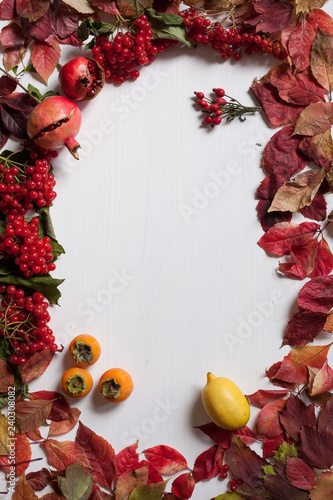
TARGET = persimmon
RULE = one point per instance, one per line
(115, 385)
(76, 382)
(84, 350)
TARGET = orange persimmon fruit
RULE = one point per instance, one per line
(76, 382)
(115, 385)
(84, 350)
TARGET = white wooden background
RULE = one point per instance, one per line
(162, 263)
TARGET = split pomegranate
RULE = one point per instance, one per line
(54, 123)
(81, 78)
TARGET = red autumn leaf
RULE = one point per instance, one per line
(60, 408)
(269, 219)
(293, 368)
(270, 445)
(64, 426)
(45, 58)
(129, 480)
(183, 486)
(61, 454)
(21, 101)
(220, 436)
(317, 294)
(301, 262)
(39, 480)
(325, 419)
(208, 464)
(282, 156)
(295, 415)
(268, 423)
(31, 414)
(279, 239)
(101, 495)
(245, 434)
(63, 22)
(316, 211)
(126, 459)
(100, 455)
(320, 380)
(316, 448)
(323, 487)
(299, 89)
(13, 122)
(165, 460)
(303, 327)
(268, 187)
(6, 376)
(70, 40)
(301, 41)
(36, 365)
(323, 20)
(299, 474)
(7, 10)
(167, 6)
(110, 7)
(23, 490)
(263, 397)
(7, 85)
(322, 60)
(153, 475)
(245, 464)
(3, 137)
(277, 111)
(40, 29)
(271, 16)
(22, 456)
(34, 435)
(12, 37)
(32, 9)
(12, 57)
(271, 374)
(315, 119)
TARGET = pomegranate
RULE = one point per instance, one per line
(54, 123)
(81, 78)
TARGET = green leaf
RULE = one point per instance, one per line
(229, 496)
(14, 70)
(285, 451)
(4, 401)
(269, 469)
(36, 92)
(94, 28)
(47, 285)
(153, 491)
(46, 229)
(83, 31)
(167, 26)
(30, 68)
(4, 348)
(77, 484)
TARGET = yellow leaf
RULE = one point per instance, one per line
(308, 5)
(81, 6)
(4, 437)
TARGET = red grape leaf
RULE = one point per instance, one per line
(320, 380)
(299, 89)
(36, 366)
(110, 7)
(32, 9)
(301, 41)
(322, 60)
(319, 149)
(323, 487)
(270, 445)
(6, 376)
(183, 486)
(7, 10)
(299, 474)
(13, 122)
(262, 397)
(295, 415)
(165, 460)
(208, 464)
(324, 20)
(61, 454)
(7, 85)
(282, 156)
(277, 111)
(317, 211)
(315, 119)
(31, 414)
(308, 5)
(298, 193)
(325, 419)
(23, 490)
(301, 261)
(64, 426)
(316, 448)
(45, 58)
(245, 464)
(268, 424)
(12, 37)
(22, 456)
(271, 374)
(303, 327)
(126, 459)
(63, 22)
(269, 220)
(40, 29)
(317, 294)
(271, 16)
(100, 455)
(280, 239)
(39, 480)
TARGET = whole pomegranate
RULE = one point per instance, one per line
(54, 123)
(82, 78)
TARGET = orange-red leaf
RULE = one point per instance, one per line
(268, 423)
(279, 239)
(64, 426)
(165, 460)
(24, 491)
(183, 486)
(45, 58)
(22, 456)
(61, 454)
(31, 414)
(36, 365)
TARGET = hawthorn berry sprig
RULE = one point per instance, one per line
(220, 108)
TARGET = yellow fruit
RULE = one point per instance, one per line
(225, 403)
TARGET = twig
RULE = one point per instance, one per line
(18, 83)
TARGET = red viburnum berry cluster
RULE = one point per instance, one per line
(23, 322)
(228, 41)
(126, 51)
(26, 186)
(20, 241)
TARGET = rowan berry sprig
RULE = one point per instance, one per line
(220, 108)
